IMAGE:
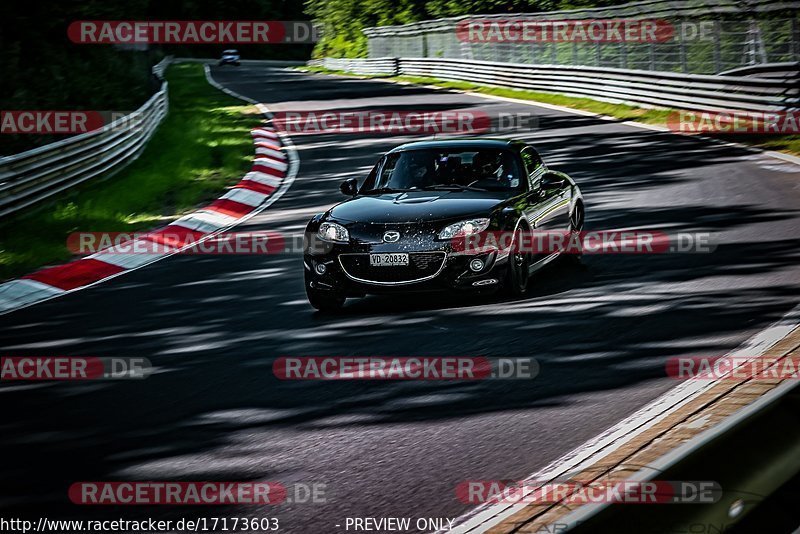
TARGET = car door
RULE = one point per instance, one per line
(549, 205)
(537, 202)
(548, 208)
(556, 188)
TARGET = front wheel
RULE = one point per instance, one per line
(576, 219)
(518, 262)
(324, 301)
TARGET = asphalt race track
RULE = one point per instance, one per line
(213, 325)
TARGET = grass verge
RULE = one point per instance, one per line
(782, 143)
(202, 146)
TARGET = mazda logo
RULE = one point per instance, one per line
(391, 236)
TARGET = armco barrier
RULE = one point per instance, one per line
(767, 428)
(35, 175)
(777, 92)
(371, 67)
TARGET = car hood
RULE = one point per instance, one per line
(416, 206)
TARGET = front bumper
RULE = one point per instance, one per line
(345, 268)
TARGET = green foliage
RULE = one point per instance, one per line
(344, 20)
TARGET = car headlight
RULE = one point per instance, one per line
(464, 228)
(330, 231)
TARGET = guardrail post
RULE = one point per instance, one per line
(465, 49)
(682, 48)
(717, 47)
(623, 55)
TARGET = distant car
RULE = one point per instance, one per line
(401, 229)
(230, 57)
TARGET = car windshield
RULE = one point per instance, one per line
(472, 168)
(230, 52)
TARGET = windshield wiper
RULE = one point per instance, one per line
(452, 187)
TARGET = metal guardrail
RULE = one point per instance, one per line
(372, 67)
(161, 66)
(768, 425)
(771, 70)
(778, 90)
(35, 175)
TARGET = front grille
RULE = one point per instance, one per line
(421, 266)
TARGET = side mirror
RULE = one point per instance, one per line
(349, 187)
(553, 180)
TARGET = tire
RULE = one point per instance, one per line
(576, 221)
(324, 301)
(493, 291)
(516, 283)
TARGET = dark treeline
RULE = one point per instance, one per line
(344, 19)
(43, 69)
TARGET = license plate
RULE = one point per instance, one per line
(388, 260)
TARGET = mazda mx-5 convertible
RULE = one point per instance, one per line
(419, 219)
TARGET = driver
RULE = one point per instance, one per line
(487, 166)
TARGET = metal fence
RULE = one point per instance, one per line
(710, 36)
(30, 177)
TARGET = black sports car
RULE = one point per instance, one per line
(406, 226)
